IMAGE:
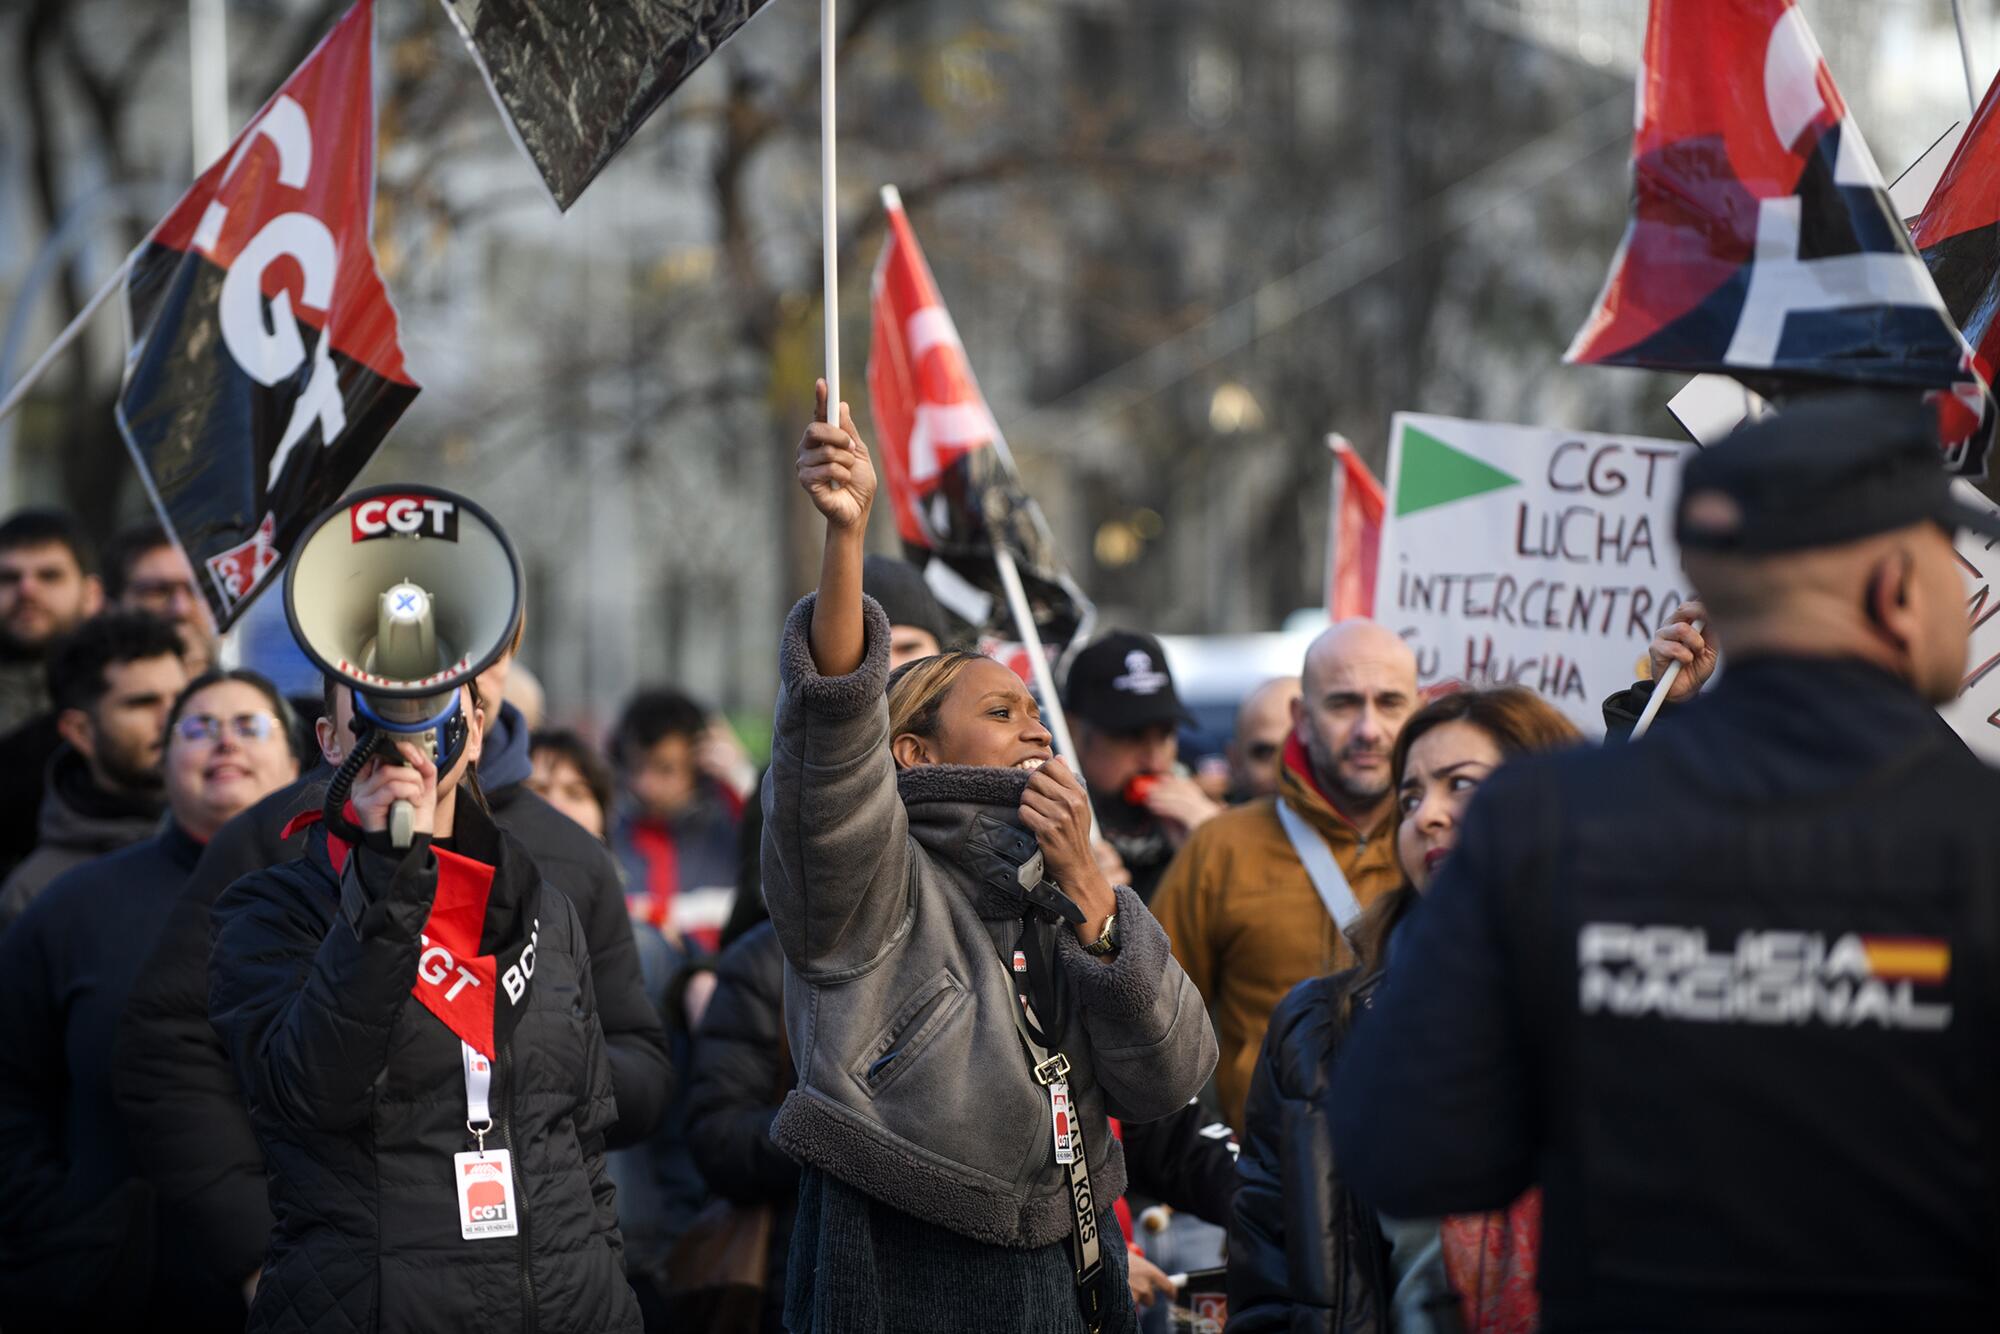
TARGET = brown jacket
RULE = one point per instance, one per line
(1246, 923)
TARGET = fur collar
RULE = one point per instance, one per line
(964, 783)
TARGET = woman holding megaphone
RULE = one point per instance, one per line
(967, 998)
(416, 1035)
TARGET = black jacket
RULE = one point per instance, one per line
(173, 1075)
(741, 1072)
(80, 1246)
(25, 753)
(1186, 1160)
(78, 821)
(357, 1094)
(1729, 995)
(1304, 1253)
(1621, 711)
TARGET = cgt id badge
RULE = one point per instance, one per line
(485, 1194)
(1061, 1113)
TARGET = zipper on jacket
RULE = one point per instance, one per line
(529, 1322)
(885, 1064)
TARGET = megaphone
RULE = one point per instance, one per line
(404, 593)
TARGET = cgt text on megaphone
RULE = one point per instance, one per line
(404, 593)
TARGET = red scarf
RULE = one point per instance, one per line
(455, 982)
(1300, 764)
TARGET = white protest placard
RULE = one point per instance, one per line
(1536, 557)
(1975, 714)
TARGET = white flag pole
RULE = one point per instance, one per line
(20, 389)
(1038, 658)
(1335, 442)
(1659, 696)
(829, 222)
(1038, 663)
(1965, 55)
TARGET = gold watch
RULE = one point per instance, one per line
(1107, 939)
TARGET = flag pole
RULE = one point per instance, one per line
(1038, 663)
(829, 222)
(69, 334)
(1965, 55)
(1038, 658)
(1334, 442)
(1659, 696)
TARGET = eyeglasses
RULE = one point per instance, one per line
(161, 592)
(208, 727)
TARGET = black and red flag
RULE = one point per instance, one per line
(1958, 233)
(1762, 242)
(952, 486)
(577, 78)
(264, 365)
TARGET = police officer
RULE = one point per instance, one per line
(1728, 994)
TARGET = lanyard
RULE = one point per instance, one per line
(484, 1181)
(1051, 1070)
(478, 1090)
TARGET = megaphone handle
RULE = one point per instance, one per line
(402, 823)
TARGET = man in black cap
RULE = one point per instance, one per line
(1728, 994)
(1126, 718)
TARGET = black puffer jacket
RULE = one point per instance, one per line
(357, 1095)
(171, 1075)
(741, 1072)
(1304, 1253)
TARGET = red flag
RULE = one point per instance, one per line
(1762, 243)
(952, 487)
(928, 409)
(1354, 534)
(1958, 232)
(264, 365)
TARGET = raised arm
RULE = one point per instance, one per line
(836, 851)
(835, 470)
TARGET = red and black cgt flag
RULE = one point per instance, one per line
(952, 485)
(1762, 243)
(264, 366)
(1958, 233)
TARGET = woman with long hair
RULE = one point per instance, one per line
(1304, 1253)
(966, 995)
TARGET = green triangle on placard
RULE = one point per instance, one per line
(1435, 473)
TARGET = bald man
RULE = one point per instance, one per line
(1729, 994)
(1257, 900)
(1263, 721)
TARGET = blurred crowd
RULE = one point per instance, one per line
(126, 749)
(796, 1019)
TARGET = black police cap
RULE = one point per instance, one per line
(1832, 469)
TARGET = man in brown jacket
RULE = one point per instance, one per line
(1251, 902)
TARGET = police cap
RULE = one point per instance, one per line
(1832, 469)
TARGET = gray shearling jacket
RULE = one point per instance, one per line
(890, 947)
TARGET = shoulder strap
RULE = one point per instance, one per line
(1050, 1069)
(1321, 867)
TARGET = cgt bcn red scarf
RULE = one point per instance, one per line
(477, 996)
